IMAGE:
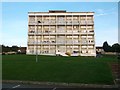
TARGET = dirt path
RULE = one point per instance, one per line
(116, 72)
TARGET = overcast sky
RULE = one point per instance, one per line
(15, 19)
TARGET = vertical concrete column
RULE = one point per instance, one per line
(49, 34)
(65, 35)
(56, 36)
(35, 35)
(72, 34)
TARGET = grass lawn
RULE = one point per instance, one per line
(89, 70)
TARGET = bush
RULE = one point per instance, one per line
(118, 57)
(68, 53)
(3, 53)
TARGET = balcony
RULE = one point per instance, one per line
(82, 22)
(90, 22)
(32, 23)
(87, 32)
(87, 43)
(34, 33)
(45, 23)
(72, 22)
(75, 22)
(73, 42)
(60, 23)
(41, 43)
(86, 22)
(52, 22)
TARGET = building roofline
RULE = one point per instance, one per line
(62, 12)
(59, 11)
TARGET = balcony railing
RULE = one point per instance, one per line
(59, 42)
(89, 33)
(55, 33)
(62, 22)
(61, 33)
(87, 43)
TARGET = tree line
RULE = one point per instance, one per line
(8, 49)
(106, 47)
(114, 48)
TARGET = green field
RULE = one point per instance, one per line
(89, 70)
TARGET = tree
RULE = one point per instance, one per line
(116, 47)
(14, 48)
(106, 47)
(5, 48)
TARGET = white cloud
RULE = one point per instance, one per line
(103, 12)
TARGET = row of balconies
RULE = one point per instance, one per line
(63, 39)
(68, 40)
(62, 27)
(41, 52)
(62, 33)
(53, 51)
(59, 31)
(57, 48)
(39, 48)
(60, 19)
(62, 23)
(54, 43)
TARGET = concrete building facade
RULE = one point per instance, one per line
(61, 32)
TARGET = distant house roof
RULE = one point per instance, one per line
(22, 49)
(99, 47)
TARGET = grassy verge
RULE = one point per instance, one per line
(58, 69)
